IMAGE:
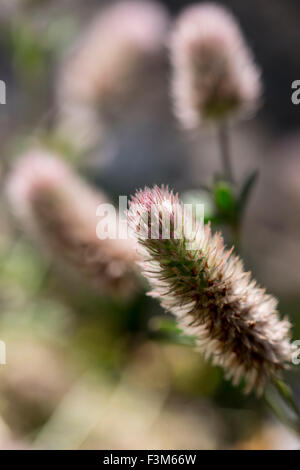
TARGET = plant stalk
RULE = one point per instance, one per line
(225, 151)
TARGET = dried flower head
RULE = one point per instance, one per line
(234, 322)
(214, 72)
(59, 211)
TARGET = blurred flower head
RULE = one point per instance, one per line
(58, 209)
(106, 66)
(214, 75)
(106, 70)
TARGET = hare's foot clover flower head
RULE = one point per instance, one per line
(214, 74)
(58, 210)
(105, 70)
(234, 322)
(122, 42)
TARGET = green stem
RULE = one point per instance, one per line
(225, 151)
(280, 400)
(272, 403)
(286, 394)
(236, 236)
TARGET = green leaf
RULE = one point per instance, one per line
(167, 329)
(225, 198)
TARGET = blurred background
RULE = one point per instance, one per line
(88, 369)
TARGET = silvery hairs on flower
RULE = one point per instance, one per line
(234, 322)
(58, 210)
(214, 74)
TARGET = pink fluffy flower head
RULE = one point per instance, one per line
(234, 321)
(107, 64)
(106, 69)
(214, 74)
(58, 210)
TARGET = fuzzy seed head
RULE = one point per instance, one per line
(234, 322)
(58, 210)
(214, 74)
